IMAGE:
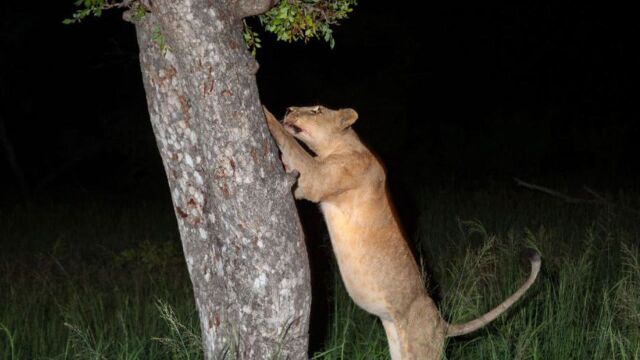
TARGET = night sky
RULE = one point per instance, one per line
(449, 94)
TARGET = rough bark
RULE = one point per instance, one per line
(240, 231)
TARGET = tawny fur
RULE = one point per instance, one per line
(375, 262)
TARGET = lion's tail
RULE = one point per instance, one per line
(473, 325)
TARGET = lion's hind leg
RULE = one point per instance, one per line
(425, 329)
(393, 339)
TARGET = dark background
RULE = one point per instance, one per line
(450, 96)
(450, 93)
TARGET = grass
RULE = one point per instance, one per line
(106, 280)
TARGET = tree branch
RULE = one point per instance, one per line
(551, 192)
(246, 8)
(598, 199)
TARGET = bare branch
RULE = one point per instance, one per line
(551, 192)
(246, 8)
(598, 199)
(604, 200)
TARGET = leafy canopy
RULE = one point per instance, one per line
(289, 20)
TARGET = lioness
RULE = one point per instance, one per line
(376, 264)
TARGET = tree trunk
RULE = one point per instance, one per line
(240, 231)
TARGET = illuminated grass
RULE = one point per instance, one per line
(115, 286)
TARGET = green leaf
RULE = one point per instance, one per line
(295, 20)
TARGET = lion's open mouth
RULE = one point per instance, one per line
(294, 128)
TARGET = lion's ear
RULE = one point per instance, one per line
(346, 118)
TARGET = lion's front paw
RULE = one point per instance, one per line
(275, 127)
(305, 190)
(286, 161)
(298, 193)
